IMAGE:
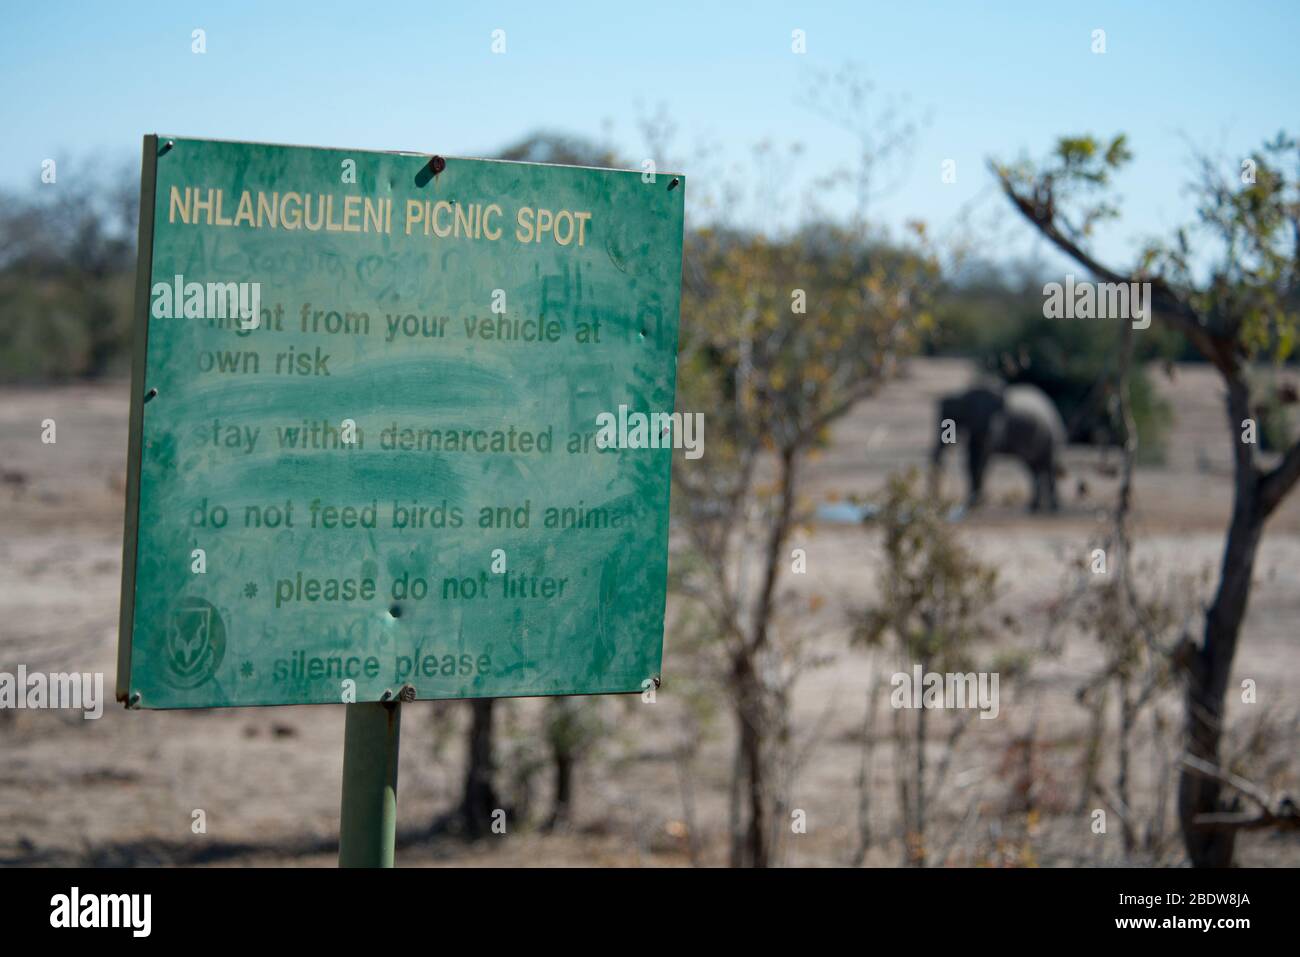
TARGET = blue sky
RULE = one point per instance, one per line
(981, 79)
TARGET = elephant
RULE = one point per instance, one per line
(1017, 420)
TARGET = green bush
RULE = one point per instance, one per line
(54, 330)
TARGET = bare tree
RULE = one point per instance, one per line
(934, 595)
(782, 338)
(1243, 311)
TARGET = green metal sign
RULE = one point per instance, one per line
(364, 429)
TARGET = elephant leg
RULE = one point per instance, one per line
(1036, 479)
(1043, 470)
(977, 460)
(1050, 476)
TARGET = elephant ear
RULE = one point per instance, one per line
(980, 406)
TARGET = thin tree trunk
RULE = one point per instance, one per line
(902, 761)
(562, 809)
(1091, 761)
(918, 856)
(1125, 596)
(480, 798)
(1211, 665)
(1127, 718)
(752, 698)
(753, 849)
(565, 734)
(865, 768)
(1156, 829)
(737, 855)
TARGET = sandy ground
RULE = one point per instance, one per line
(125, 789)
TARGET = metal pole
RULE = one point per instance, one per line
(368, 819)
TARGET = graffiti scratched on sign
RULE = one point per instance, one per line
(363, 438)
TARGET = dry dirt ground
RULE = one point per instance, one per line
(124, 789)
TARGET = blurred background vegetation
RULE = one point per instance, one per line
(67, 261)
(67, 275)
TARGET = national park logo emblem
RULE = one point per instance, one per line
(195, 643)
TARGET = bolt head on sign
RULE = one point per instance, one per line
(276, 302)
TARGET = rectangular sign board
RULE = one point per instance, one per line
(364, 450)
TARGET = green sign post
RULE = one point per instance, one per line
(365, 461)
